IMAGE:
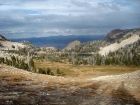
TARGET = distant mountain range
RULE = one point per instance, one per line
(60, 41)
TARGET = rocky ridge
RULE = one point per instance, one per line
(117, 45)
(2, 38)
(72, 45)
(113, 41)
(6, 44)
(117, 34)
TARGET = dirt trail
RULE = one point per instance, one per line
(19, 87)
(130, 81)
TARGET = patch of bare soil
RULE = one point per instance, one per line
(19, 87)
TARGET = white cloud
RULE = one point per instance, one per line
(30, 18)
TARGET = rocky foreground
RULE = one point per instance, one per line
(19, 87)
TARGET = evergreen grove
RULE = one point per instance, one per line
(15, 62)
(21, 64)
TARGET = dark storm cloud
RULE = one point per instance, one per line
(38, 18)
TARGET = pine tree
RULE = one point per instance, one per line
(6, 61)
(51, 73)
(48, 71)
(14, 63)
(1, 60)
(41, 70)
(107, 61)
(113, 60)
(22, 64)
(58, 71)
(98, 59)
(31, 64)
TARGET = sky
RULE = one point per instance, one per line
(41, 18)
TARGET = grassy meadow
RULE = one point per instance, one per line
(84, 70)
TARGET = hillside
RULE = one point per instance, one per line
(119, 39)
(47, 50)
(118, 34)
(23, 87)
(72, 45)
(113, 41)
(2, 38)
(6, 44)
(117, 45)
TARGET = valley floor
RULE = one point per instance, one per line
(20, 87)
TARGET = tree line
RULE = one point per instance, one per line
(23, 64)
(128, 55)
(18, 63)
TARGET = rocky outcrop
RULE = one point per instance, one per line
(117, 34)
(117, 39)
(48, 50)
(6, 44)
(2, 38)
(72, 45)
